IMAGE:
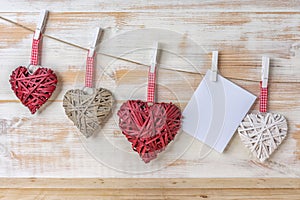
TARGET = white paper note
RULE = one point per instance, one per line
(215, 111)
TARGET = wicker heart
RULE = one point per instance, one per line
(88, 111)
(262, 133)
(33, 89)
(149, 128)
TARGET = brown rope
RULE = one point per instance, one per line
(135, 62)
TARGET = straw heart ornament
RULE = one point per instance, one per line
(90, 107)
(263, 132)
(149, 126)
(34, 84)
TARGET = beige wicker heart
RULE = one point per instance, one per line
(88, 111)
(262, 133)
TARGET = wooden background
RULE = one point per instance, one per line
(47, 145)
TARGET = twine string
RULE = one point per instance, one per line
(136, 62)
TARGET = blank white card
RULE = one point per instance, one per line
(215, 111)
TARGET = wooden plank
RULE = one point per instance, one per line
(151, 183)
(150, 6)
(150, 188)
(154, 194)
(241, 37)
(47, 144)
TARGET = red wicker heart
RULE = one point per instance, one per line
(33, 89)
(149, 128)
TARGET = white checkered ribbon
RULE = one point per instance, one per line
(35, 51)
(89, 70)
(151, 85)
(37, 38)
(263, 99)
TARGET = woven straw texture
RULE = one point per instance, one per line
(88, 111)
(262, 133)
(35, 89)
(149, 128)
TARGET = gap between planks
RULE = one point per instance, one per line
(123, 183)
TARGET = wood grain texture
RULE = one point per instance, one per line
(47, 144)
(150, 6)
(150, 188)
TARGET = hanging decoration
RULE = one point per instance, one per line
(149, 126)
(34, 84)
(90, 107)
(216, 109)
(263, 132)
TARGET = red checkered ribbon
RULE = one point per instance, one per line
(35, 50)
(263, 99)
(151, 86)
(89, 71)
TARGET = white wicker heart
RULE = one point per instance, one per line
(262, 133)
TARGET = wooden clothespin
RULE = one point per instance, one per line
(214, 66)
(265, 71)
(41, 24)
(95, 42)
(154, 58)
(152, 75)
